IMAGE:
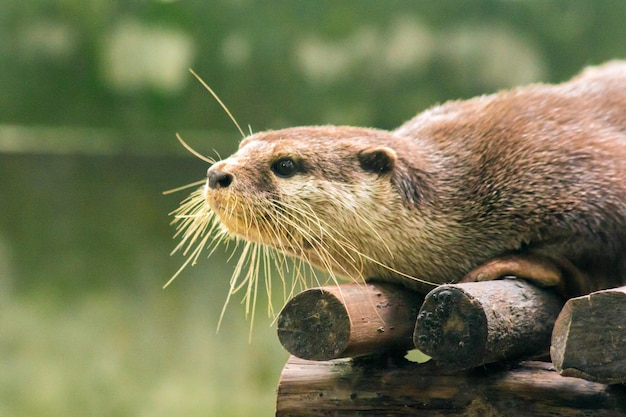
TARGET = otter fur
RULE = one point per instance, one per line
(528, 182)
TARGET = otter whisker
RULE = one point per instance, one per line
(279, 255)
(198, 224)
(219, 157)
(194, 232)
(215, 96)
(268, 282)
(193, 225)
(252, 256)
(324, 231)
(322, 252)
(254, 279)
(280, 261)
(348, 249)
(233, 280)
(346, 246)
(194, 220)
(183, 187)
(191, 258)
(194, 152)
(252, 286)
(354, 212)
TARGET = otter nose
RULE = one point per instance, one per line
(218, 179)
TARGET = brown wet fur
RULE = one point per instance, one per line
(533, 178)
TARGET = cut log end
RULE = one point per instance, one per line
(348, 320)
(453, 322)
(314, 325)
(466, 325)
(589, 337)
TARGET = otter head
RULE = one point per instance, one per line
(327, 195)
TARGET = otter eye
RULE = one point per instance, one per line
(284, 167)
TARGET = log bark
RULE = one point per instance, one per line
(388, 387)
(348, 320)
(589, 337)
(465, 325)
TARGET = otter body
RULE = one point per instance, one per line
(535, 176)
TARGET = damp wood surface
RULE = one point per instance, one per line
(589, 338)
(395, 387)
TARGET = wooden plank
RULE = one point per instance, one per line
(395, 387)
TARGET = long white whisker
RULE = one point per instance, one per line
(194, 152)
(183, 187)
(215, 96)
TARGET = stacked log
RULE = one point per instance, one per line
(348, 342)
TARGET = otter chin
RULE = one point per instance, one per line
(529, 182)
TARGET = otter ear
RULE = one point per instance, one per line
(378, 160)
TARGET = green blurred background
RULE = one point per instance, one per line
(91, 95)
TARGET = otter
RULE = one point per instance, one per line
(529, 182)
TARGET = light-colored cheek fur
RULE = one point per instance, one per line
(356, 226)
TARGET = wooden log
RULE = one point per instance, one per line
(348, 320)
(470, 324)
(589, 337)
(351, 387)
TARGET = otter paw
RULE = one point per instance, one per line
(539, 270)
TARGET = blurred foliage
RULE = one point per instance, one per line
(91, 94)
(287, 62)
